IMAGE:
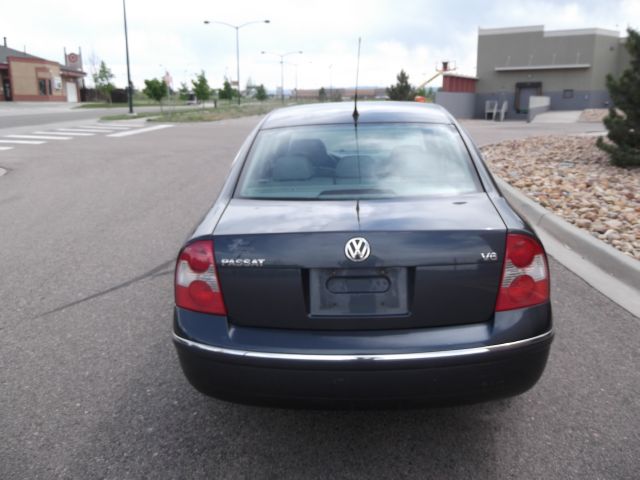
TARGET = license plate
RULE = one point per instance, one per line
(366, 292)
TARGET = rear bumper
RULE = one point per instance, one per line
(433, 376)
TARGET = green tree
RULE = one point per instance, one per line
(431, 93)
(624, 129)
(183, 92)
(201, 88)
(402, 90)
(227, 92)
(102, 80)
(322, 94)
(261, 93)
(156, 90)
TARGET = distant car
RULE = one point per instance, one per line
(361, 262)
(191, 99)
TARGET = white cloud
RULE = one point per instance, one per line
(414, 35)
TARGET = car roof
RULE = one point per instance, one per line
(370, 112)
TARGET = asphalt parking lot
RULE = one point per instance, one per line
(90, 386)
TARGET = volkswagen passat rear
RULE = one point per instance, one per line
(368, 261)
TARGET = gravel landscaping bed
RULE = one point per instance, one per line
(593, 115)
(571, 177)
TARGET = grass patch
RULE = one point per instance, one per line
(126, 116)
(199, 114)
(115, 105)
(213, 114)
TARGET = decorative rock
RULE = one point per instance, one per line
(613, 223)
(583, 223)
(611, 235)
(598, 227)
(571, 177)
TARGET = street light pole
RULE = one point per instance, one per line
(296, 65)
(282, 78)
(126, 43)
(331, 82)
(237, 28)
(282, 55)
(238, 60)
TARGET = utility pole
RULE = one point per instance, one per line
(237, 28)
(126, 43)
(282, 55)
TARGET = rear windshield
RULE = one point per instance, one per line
(372, 161)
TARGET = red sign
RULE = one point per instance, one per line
(74, 60)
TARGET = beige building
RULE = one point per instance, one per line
(25, 77)
(568, 66)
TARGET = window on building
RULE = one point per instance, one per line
(567, 93)
(49, 85)
(42, 86)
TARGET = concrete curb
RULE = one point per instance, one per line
(616, 275)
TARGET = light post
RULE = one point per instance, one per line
(237, 28)
(167, 80)
(331, 82)
(126, 44)
(282, 55)
(296, 65)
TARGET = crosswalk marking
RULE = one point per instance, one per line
(72, 134)
(106, 128)
(80, 130)
(119, 125)
(69, 133)
(139, 130)
(23, 142)
(37, 137)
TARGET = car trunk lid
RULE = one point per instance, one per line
(432, 262)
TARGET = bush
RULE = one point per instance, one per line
(624, 128)
(401, 90)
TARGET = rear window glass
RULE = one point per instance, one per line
(374, 161)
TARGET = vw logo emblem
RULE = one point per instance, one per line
(357, 249)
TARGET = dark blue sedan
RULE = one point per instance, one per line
(361, 259)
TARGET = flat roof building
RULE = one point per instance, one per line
(25, 77)
(568, 66)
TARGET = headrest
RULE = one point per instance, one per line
(292, 167)
(348, 166)
(308, 146)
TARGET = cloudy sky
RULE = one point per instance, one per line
(414, 35)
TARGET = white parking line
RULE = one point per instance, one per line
(71, 134)
(140, 130)
(119, 125)
(23, 142)
(37, 137)
(6, 148)
(104, 127)
(80, 130)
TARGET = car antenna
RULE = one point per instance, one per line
(355, 97)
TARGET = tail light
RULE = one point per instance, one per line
(197, 285)
(525, 274)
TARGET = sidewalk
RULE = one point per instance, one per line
(34, 108)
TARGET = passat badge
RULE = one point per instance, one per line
(242, 262)
(357, 249)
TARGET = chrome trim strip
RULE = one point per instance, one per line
(370, 357)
